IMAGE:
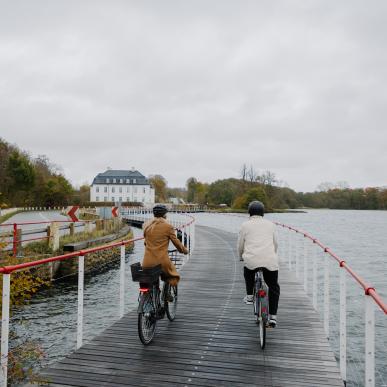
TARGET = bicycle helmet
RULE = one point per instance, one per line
(256, 208)
(159, 210)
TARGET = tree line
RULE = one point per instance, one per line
(28, 181)
(252, 185)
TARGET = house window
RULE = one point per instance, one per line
(127, 189)
(107, 181)
(97, 198)
(121, 181)
(105, 189)
(144, 190)
(105, 198)
(114, 180)
(113, 189)
(96, 189)
(120, 199)
(120, 189)
(128, 199)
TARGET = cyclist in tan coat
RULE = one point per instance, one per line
(158, 233)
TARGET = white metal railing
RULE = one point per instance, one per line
(183, 222)
(296, 246)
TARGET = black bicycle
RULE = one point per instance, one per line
(261, 305)
(153, 303)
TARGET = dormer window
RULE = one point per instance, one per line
(107, 181)
(121, 181)
(114, 180)
(127, 181)
(134, 181)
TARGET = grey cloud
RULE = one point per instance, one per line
(198, 88)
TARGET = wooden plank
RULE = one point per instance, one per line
(214, 339)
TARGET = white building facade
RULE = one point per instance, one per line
(122, 186)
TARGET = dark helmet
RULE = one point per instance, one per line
(256, 208)
(159, 210)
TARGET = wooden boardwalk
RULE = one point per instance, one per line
(214, 339)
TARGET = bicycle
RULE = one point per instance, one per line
(261, 305)
(153, 303)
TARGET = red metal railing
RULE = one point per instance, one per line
(15, 228)
(6, 271)
(369, 290)
(81, 253)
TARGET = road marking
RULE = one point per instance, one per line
(44, 217)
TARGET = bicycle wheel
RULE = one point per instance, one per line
(261, 327)
(146, 318)
(256, 305)
(170, 301)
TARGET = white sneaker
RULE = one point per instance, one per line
(248, 299)
(272, 323)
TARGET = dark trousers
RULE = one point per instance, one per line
(271, 279)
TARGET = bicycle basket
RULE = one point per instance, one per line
(139, 274)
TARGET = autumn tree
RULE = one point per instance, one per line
(256, 193)
(191, 189)
(159, 183)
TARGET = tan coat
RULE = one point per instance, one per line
(158, 232)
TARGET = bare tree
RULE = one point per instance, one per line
(325, 186)
(342, 185)
(252, 174)
(268, 178)
(244, 172)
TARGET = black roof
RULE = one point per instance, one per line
(120, 174)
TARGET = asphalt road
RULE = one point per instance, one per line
(31, 217)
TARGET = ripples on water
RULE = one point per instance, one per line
(359, 237)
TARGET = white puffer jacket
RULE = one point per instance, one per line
(257, 244)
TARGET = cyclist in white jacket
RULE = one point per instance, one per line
(257, 247)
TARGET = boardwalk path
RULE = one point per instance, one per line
(214, 339)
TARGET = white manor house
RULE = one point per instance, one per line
(121, 186)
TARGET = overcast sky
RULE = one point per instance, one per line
(197, 88)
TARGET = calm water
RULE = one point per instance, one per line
(359, 237)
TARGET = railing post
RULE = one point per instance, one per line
(15, 241)
(290, 248)
(305, 264)
(326, 296)
(297, 259)
(193, 237)
(369, 342)
(314, 277)
(122, 281)
(5, 329)
(343, 325)
(81, 274)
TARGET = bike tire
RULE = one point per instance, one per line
(262, 333)
(146, 319)
(171, 306)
